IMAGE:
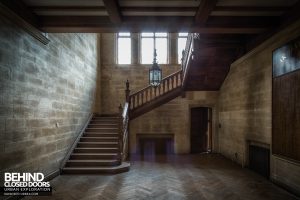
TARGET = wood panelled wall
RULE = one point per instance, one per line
(286, 115)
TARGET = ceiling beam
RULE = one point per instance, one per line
(251, 8)
(291, 15)
(138, 24)
(113, 9)
(285, 20)
(20, 9)
(23, 19)
(204, 10)
(67, 8)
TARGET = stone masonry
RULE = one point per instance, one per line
(46, 94)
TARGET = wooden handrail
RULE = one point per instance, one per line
(123, 131)
(150, 93)
(187, 56)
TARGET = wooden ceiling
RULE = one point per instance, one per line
(227, 28)
(202, 16)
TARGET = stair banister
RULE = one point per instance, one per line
(124, 124)
(187, 56)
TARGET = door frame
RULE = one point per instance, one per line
(212, 126)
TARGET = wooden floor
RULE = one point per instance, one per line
(192, 177)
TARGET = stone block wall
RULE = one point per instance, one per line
(245, 108)
(46, 94)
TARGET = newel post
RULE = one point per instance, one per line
(121, 131)
(127, 91)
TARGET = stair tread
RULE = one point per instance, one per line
(96, 148)
(95, 160)
(99, 142)
(102, 128)
(102, 154)
(124, 164)
(100, 137)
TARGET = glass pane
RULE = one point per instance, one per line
(161, 34)
(124, 34)
(181, 46)
(124, 51)
(148, 34)
(147, 50)
(162, 50)
(183, 34)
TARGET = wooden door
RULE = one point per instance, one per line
(199, 129)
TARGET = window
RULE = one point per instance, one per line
(182, 37)
(124, 48)
(149, 41)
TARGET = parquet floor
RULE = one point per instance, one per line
(185, 177)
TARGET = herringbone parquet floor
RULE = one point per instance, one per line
(186, 177)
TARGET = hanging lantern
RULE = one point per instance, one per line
(155, 73)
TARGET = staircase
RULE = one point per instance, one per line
(170, 87)
(102, 145)
(98, 149)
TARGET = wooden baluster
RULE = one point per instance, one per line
(120, 131)
(137, 100)
(127, 91)
(142, 97)
(146, 95)
(168, 85)
(151, 96)
(164, 84)
(133, 101)
(181, 77)
(159, 89)
(155, 92)
(172, 78)
(176, 81)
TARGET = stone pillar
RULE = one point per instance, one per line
(135, 48)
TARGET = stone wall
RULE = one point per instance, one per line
(245, 108)
(46, 94)
(172, 117)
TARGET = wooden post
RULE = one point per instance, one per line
(120, 132)
(127, 91)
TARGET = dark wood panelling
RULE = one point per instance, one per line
(213, 55)
(286, 115)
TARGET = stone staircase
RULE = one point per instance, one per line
(97, 151)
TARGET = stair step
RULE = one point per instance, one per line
(96, 150)
(92, 134)
(106, 119)
(124, 167)
(98, 139)
(103, 125)
(93, 156)
(101, 130)
(97, 144)
(91, 163)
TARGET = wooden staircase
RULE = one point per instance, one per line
(170, 87)
(102, 145)
(98, 149)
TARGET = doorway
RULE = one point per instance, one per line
(201, 137)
